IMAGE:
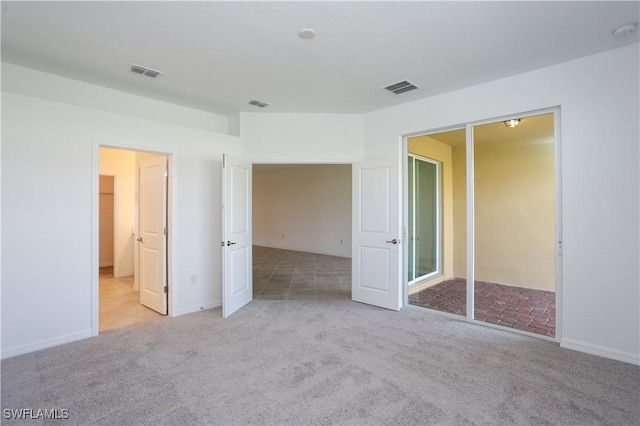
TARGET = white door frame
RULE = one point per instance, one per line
(98, 143)
(470, 215)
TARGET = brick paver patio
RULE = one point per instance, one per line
(515, 307)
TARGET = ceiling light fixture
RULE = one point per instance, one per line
(625, 30)
(512, 123)
(307, 33)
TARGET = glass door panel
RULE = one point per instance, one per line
(411, 224)
(426, 233)
(514, 224)
(436, 228)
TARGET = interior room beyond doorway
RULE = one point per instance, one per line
(119, 244)
(303, 207)
(301, 231)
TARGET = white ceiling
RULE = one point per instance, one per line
(216, 56)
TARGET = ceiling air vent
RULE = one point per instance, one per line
(401, 87)
(258, 103)
(145, 71)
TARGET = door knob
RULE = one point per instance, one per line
(394, 241)
(139, 239)
(230, 243)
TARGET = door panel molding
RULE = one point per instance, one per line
(376, 234)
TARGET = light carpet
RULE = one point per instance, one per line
(320, 362)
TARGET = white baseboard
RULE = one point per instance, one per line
(602, 351)
(303, 250)
(196, 308)
(44, 344)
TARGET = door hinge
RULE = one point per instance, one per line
(166, 173)
(166, 289)
(166, 231)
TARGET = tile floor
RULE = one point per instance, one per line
(120, 303)
(287, 275)
(514, 307)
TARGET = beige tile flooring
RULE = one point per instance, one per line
(287, 275)
(120, 304)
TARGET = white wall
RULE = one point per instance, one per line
(50, 159)
(122, 165)
(302, 138)
(599, 100)
(303, 207)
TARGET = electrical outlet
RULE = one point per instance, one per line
(194, 279)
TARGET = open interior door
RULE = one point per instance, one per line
(237, 271)
(152, 239)
(376, 240)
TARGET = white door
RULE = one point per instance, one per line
(152, 239)
(376, 234)
(237, 271)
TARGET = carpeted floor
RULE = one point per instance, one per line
(320, 362)
(520, 308)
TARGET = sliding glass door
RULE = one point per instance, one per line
(482, 222)
(514, 224)
(424, 218)
(436, 224)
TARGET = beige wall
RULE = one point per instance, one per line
(433, 149)
(122, 164)
(514, 214)
(303, 207)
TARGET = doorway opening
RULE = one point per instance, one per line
(132, 276)
(503, 189)
(301, 231)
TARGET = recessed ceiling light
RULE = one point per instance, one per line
(307, 33)
(512, 123)
(625, 30)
